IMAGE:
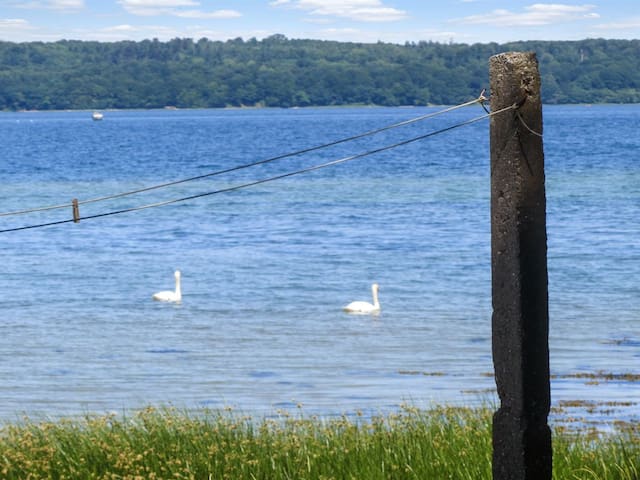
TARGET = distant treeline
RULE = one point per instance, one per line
(281, 72)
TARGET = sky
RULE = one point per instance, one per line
(393, 21)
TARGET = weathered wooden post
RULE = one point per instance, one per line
(520, 323)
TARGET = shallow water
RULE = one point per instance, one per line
(266, 269)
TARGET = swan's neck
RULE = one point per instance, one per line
(178, 290)
(376, 303)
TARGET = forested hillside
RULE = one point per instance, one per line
(281, 72)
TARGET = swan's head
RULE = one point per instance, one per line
(375, 287)
(177, 274)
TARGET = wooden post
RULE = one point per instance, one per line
(76, 210)
(520, 322)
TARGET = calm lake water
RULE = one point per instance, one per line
(267, 269)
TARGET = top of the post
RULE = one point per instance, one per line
(515, 79)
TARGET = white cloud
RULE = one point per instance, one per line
(149, 8)
(157, 3)
(534, 15)
(126, 32)
(359, 10)
(66, 4)
(629, 24)
(334, 32)
(139, 32)
(164, 33)
(49, 5)
(120, 28)
(20, 30)
(317, 21)
(12, 25)
(217, 14)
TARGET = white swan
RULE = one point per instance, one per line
(169, 295)
(365, 307)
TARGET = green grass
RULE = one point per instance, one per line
(443, 443)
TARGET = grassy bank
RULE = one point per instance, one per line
(444, 443)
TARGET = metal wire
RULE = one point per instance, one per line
(273, 178)
(480, 99)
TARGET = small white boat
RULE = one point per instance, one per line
(97, 116)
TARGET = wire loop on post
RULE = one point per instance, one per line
(527, 126)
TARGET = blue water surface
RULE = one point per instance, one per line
(266, 269)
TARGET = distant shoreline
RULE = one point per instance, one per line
(307, 107)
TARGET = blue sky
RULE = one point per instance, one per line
(397, 21)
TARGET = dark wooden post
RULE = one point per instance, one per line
(520, 322)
